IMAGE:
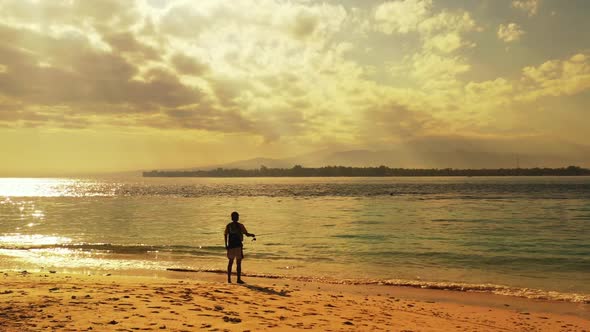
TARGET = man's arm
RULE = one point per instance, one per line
(245, 232)
(225, 237)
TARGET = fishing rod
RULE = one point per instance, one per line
(273, 233)
(254, 239)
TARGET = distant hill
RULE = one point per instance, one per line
(381, 171)
(435, 152)
(252, 164)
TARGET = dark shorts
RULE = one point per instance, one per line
(235, 253)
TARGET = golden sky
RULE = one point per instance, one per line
(113, 85)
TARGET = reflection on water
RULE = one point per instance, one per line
(28, 240)
(32, 187)
(76, 260)
(21, 247)
(49, 187)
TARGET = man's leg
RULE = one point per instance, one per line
(239, 266)
(229, 266)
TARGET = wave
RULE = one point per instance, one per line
(120, 249)
(214, 251)
(574, 261)
(528, 293)
(141, 252)
(175, 251)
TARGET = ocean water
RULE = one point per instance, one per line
(525, 236)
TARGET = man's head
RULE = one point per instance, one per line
(235, 216)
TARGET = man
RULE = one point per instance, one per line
(234, 236)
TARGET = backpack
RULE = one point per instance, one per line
(235, 236)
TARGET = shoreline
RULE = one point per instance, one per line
(461, 287)
(181, 301)
(525, 293)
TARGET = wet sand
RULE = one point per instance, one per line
(204, 302)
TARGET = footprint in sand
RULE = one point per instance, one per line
(231, 319)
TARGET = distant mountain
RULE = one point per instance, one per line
(250, 164)
(438, 152)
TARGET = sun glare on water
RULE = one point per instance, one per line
(50, 187)
(31, 187)
(26, 240)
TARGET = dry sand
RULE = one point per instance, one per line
(195, 302)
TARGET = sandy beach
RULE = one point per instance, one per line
(55, 301)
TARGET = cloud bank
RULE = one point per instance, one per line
(298, 74)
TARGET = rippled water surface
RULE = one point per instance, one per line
(519, 232)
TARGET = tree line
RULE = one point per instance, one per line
(344, 171)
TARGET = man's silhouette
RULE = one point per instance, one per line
(233, 236)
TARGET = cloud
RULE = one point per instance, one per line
(446, 21)
(38, 116)
(165, 70)
(444, 32)
(185, 21)
(429, 66)
(436, 64)
(531, 7)
(271, 71)
(510, 32)
(302, 21)
(274, 72)
(401, 16)
(280, 124)
(494, 91)
(188, 65)
(127, 43)
(205, 118)
(83, 74)
(44, 14)
(304, 24)
(390, 121)
(445, 43)
(440, 31)
(557, 77)
(66, 81)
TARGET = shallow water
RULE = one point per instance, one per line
(509, 234)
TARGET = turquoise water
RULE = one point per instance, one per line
(523, 236)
